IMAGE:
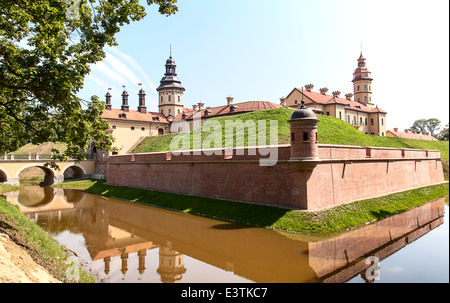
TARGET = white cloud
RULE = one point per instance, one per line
(136, 67)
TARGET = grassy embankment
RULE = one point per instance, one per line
(37, 243)
(331, 131)
(328, 222)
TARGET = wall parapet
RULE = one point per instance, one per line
(342, 174)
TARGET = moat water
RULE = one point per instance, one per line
(122, 242)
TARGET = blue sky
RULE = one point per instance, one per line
(261, 50)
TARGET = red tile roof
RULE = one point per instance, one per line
(410, 135)
(225, 110)
(134, 115)
(322, 99)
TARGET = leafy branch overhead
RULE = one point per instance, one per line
(46, 50)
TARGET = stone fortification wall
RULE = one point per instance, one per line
(341, 174)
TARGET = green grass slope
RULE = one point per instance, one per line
(331, 131)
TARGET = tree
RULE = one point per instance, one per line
(426, 125)
(443, 135)
(433, 125)
(46, 49)
(420, 125)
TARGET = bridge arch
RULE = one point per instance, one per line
(50, 174)
(3, 175)
(75, 171)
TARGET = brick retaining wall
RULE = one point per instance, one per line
(344, 174)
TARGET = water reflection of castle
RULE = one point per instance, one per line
(114, 229)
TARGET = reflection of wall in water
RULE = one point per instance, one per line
(117, 229)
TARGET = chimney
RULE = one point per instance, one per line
(125, 106)
(324, 91)
(396, 129)
(349, 96)
(142, 108)
(407, 131)
(201, 105)
(230, 100)
(336, 94)
(309, 87)
(194, 107)
(283, 102)
(108, 101)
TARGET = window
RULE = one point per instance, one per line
(305, 137)
(170, 98)
(358, 88)
(162, 112)
(132, 128)
(292, 137)
(170, 111)
(340, 115)
(382, 134)
(328, 113)
(114, 127)
(365, 98)
(360, 121)
(371, 122)
(365, 87)
(296, 101)
(359, 99)
(179, 99)
(179, 111)
(162, 99)
(365, 122)
(348, 119)
(382, 121)
(143, 128)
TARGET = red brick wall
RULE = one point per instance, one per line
(344, 174)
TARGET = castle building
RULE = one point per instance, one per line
(170, 91)
(130, 127)
(357, 108)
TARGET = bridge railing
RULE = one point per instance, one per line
(34, 157)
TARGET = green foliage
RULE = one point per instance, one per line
(46, 49)
(37, 242)
(426, 125)
(331, 131)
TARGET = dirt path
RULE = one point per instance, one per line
(16, 266)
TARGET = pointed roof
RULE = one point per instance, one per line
(362, 72)
(170, 79)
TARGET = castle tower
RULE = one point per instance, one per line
(362, 83)
(170, 91)
(142, 108)
(304, 141)
(171, 265)
(125, 106)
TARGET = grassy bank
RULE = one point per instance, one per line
(331, 221)
(38, 244)
(331, 131)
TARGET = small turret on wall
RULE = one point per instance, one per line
(304, 141)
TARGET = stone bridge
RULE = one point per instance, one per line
(12, 167)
